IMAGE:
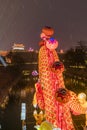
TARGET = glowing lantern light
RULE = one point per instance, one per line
(82, 98)
(34, 73)
(83, 102)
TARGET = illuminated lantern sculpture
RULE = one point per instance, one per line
(83, 102)
(39, 117)
(34, 73)
(51, 94)
(82, 99)
(44, 126)
(34, 101)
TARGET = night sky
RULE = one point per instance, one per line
(21, 21)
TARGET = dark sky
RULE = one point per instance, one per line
(21, 21)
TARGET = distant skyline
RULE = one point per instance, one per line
(21, 21)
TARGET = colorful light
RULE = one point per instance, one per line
(34, 73)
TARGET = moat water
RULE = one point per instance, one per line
(10, 117)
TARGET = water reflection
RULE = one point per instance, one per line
(10, 118)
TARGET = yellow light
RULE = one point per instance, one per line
(82, 96)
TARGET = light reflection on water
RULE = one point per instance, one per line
(10, 118)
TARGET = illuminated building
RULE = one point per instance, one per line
(18, 46)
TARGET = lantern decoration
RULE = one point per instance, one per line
(83, 102)
(34, 101)
(51, 43)
(82, 97)
(62, 95)
(39, 117)
(57, 65)
(46, 33)
(51, 94)
(39, 95)
(34, 73)
(45, 126)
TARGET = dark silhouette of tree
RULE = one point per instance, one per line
(69, 58)
(77, 56)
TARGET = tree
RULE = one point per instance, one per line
(77, 56)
